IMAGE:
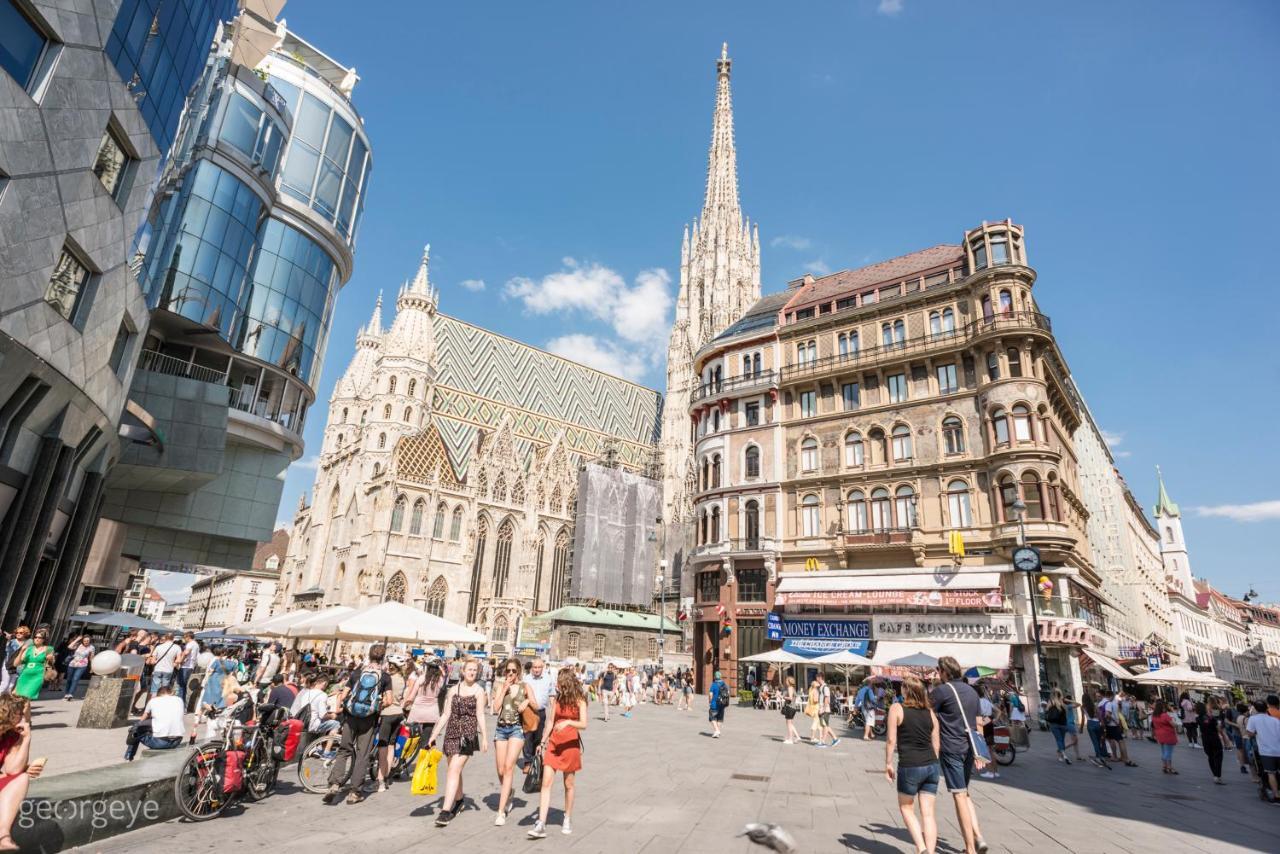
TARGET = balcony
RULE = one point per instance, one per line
(885, 537)
(734, 386)
(161, 363)
(951, 339)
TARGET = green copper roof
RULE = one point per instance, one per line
(1164, 504)
(606, 617)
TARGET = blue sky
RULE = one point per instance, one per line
(553, 150)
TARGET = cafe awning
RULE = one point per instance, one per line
(1110, 665)
(993, 655)
(827, 581)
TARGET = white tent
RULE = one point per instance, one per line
(777, 656)
(844, 657)
(272, 627)
(390, 621)
(1181, 674)
(297, 629)
(918, 659)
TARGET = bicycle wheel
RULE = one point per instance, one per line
(316, 762)
(1005, 754)
(198, 786)
(261, 771)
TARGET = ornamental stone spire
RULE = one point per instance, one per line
(719, 281)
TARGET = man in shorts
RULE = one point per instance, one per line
(824, 714)
(956, 705)
(717, 699)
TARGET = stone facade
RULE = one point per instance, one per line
(449, 470)
(228, 599)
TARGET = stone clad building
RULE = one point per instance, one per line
(449, 470)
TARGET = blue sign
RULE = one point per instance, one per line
(773, 626)
(814, 647)
(822, 637)
(1153, 663)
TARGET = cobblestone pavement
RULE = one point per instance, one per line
(658, 783)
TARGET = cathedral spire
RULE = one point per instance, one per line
(374, 327)
(421, 283)
(1165, 505)
(722, 160)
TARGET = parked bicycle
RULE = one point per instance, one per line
(316, 761)
(243, 763)
(1002, 749)
(857, 721)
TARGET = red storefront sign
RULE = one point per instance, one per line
(917, 598)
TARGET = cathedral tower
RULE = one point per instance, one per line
(719, 281)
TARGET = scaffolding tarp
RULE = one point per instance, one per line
(615, 536)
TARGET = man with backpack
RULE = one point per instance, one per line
(367, 692)
(718, 701)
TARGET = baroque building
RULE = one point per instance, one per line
(449, 470)
(719, 281)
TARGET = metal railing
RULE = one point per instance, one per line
(879, 537)
(259, 408)
(734, 385)
(160, 363)
(922, 343)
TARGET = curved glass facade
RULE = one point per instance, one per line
(248, 128)
(291, 298)
(198, 269)
(327, 164)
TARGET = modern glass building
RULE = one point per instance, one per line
(93, 91)
(250, 237)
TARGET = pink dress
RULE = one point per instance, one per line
(8, 742)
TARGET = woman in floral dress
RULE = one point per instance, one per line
(463, 726)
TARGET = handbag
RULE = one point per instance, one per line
(529, 719)
(981, 754)
(533, 776)
(425, 776)
(468, 744)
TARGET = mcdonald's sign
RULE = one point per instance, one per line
(811, 564)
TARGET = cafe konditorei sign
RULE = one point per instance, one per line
(992, 628)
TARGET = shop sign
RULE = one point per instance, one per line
(813, 647)
(916, 598)
(1066, 632)
(820, 637)
(750, 612)
(954, 627)
(773, 626)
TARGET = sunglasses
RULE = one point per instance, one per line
(511, 670)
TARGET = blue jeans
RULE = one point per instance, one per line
(957, 769)
(184, 679)
(159, 680)
(1095, 735)
(1166, 752)
(1060, 736)
(74, 675)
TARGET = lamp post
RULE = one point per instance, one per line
(662, 592)
(1027, 559)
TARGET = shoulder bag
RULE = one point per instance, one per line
(528, 715)
(981, 755)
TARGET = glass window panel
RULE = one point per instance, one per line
(66, 285)
(313, 118)
(21, 44)
(240, 123)
(206, 263)
(339, 142)
(287, 90)
(347, 206)
(327, 187)
(300, 168)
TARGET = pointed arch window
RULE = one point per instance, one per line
(517, 492)
(881, 510)
(437, 596)
(437, 527)
(853, 457)
(539, 547)
(333, 502)
(502, 558)
(386, 412)
(415, 518)
(560, 570)
(455, 526)
(500, 628)
(958, 506)
(344, 415)
(809, 454)
(391, 385)
(500, 488)
(857, 511)
(810, 516)
(953, 435)
(477, 563)
(382, 441)
(396, 588)
(752, 459)
(397, 513)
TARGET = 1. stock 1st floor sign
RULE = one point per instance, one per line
(812, 638)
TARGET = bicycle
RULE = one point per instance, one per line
(205, 786)
(1002, 749)
(316, 762)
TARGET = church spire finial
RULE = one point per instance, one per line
(722, 160)
(421, 283)
(375, 322)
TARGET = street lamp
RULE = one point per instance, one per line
(662, 592)
(1027, 559)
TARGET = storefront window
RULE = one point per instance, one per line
(752, 585)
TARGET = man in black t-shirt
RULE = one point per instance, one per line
(280, 694)
(956, 705)
(366, 692)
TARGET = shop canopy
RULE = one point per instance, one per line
(941, 590)
(844, 657)
(777, 656)
(993, 655)
(1181, 674)
(1110, 665)
(390, 621)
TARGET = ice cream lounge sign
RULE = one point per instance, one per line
(956, 627)
(820, 637)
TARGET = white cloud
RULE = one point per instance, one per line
(637, 313)
(1258, 511)
(818, 267)
(1112, 439)
(472, 284)
(791, 241)
(310, 463)
(600, 354)
(890, 7)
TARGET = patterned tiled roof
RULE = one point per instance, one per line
(884, 273)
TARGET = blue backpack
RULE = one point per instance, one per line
(365, 699)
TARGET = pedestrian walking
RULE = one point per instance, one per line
(717, 700)
(956, 705)
(1073, 725)
(865, 700)
(1233, 720)
(30, 663)
(268, 667)
(542, 687)
(1264, 727)
(16, 768)
(390, 718)
(987, 713)
(461, 732)
(1162, 728)
(511, 697)
(219, 669)
(164, 659)
(607, 683)
(187, 666)
(362, 698)
(1089, 722)
(1188, 707)
(1212, 737)
(561, 746)
(1113, 724)
(790, 701)
(1056, 717)
(78, 664)
(424, 698)
(824, 714)
(914, 737)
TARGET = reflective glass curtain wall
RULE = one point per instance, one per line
(159, 48)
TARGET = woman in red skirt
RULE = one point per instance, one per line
(561, 747)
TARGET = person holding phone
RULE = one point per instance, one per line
(17, 769)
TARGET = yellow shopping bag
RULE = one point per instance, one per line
(424, 773)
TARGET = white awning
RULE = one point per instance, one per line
(993, 655)
(1109, 664)
(834, 581)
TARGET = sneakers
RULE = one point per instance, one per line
(538, 831)
(835, 742)
(443, 817)
(980, 845)
(715, 735)
(382, 785)
(355, 797)
(822, 744)
(568, 828)
(987, 775)
(787, 741)
(500, 819)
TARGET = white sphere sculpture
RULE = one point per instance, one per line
(105, 663)
(204, 659)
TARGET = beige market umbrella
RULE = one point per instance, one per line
(388, 621)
